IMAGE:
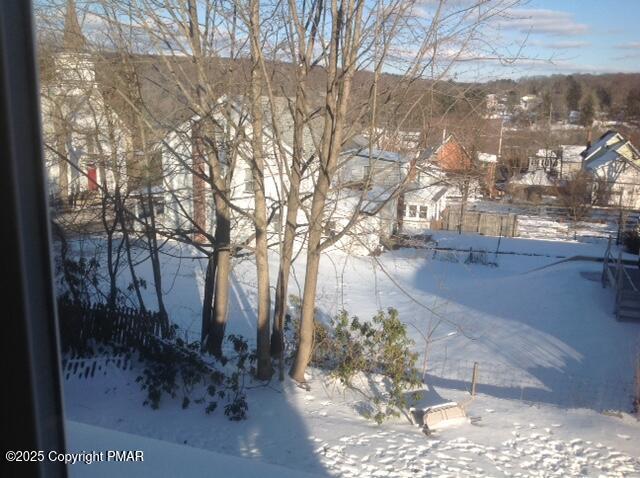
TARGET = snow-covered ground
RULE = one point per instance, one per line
(320, 433)
(550, 353)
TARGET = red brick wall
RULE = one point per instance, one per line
(452, 157)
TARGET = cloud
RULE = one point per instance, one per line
(634, 45)
(564, 45)
(552, 22)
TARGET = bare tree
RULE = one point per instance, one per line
(575, 195)
(359, 37)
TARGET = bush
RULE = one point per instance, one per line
(479, 257)
(631, 241)
(351, 347)
(176, 368)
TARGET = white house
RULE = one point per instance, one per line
(561, 163)
(394, 193)
(529, 102)
(424, 200)
(614, 163)
(188, 195)
(86, 144)
(571, 161)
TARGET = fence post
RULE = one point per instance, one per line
(474, 379)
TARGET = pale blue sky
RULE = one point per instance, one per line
(584, 36)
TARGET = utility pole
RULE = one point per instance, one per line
(500, 140)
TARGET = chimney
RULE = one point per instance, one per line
(589, 138)
(444, 134)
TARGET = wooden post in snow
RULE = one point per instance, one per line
(474, 379)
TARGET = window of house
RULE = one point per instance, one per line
(412, 210)
(248, 180)
(423, 212)
(158, 203)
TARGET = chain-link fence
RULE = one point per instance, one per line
(553, 387)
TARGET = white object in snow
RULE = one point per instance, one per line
(441, 416)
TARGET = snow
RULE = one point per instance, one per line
(160, 458)
(533, 178)
(487, 157)
(296, 433)
(571, 153)
(551, 359)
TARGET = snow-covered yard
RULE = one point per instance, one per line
(320, 433)
(550, 352)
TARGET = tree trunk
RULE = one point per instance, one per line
(222, 250)
(264, 369)
(307, 316)
(344, 44)
(154, 255)
(277, 336)
(127, 246)
(207, 304)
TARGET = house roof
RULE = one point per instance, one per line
(377, 155)
(571, 153)
(609, 147)
(546, 153)
(600, 143)
(72, 39)
(429, 152)
(440, 193)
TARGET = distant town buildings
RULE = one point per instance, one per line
(529, 102)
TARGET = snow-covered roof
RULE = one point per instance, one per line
(607, 156)
(599, 144)
(533, 178)
(431, 170)
(372, 199)
(546, 153)
(487, 157)
(571, 153)
(377, 154)
(434, 193)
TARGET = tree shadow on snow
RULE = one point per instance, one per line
(551, 333)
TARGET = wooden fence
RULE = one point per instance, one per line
(84, 325)
(486, 223)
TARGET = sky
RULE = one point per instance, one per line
(575, 36)
(544, 36)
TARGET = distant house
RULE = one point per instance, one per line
(529, 102)
(450, 156)
(492, 101)
(396, 193)
(376, 210)
(574, 117)
(571, 161)
(547, 160)
(373, 166)
(614, 163)
(423, 202)
(559, 164)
